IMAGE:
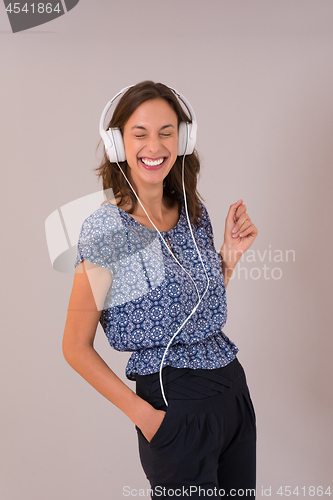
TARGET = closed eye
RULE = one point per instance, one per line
(144, 135)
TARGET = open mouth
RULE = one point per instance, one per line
(151, 164)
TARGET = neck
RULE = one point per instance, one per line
(152, 199)
(163, 211)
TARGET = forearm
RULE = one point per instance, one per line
(229, 261)
(227, 271)
(88, 363)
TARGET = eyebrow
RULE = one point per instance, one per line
(143, 128)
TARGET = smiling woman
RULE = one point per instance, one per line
(144, 100)
(148, 271)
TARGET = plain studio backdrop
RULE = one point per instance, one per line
(259, 76)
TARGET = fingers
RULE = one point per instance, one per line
(239, 211)
(242, 225)
(250, 230)
(232, 217)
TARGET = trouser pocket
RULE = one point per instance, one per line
(161, 432)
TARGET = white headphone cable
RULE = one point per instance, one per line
(200, 298)
(174, 257)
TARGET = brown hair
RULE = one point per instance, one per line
(172, 186)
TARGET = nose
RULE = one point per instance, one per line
(153, 144)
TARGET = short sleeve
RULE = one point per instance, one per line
(132, 253)
(93, 243)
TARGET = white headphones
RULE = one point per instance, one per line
(113, 140)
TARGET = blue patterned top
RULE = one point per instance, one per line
(151, 296)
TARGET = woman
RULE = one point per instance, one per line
(157, 285)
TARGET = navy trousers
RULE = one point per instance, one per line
(206, 444)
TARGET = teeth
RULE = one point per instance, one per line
(151, 163)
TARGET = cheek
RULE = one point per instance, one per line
(131, 150)
(132, 161)
(174, 147)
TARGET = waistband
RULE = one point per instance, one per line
(187, 387)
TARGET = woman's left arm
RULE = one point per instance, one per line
(239, 234)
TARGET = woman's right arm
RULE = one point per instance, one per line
(90, 286)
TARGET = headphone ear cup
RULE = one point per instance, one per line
(116, 151)
(182, 138)
(185, 143)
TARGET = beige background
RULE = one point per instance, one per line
(259, 75)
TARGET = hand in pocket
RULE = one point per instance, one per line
(152, 425)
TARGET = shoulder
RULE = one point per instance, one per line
(204, 212)
(102, 227)
(106, 218)
(206, 229)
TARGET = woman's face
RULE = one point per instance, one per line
(151, 141)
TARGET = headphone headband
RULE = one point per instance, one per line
(113, 141)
